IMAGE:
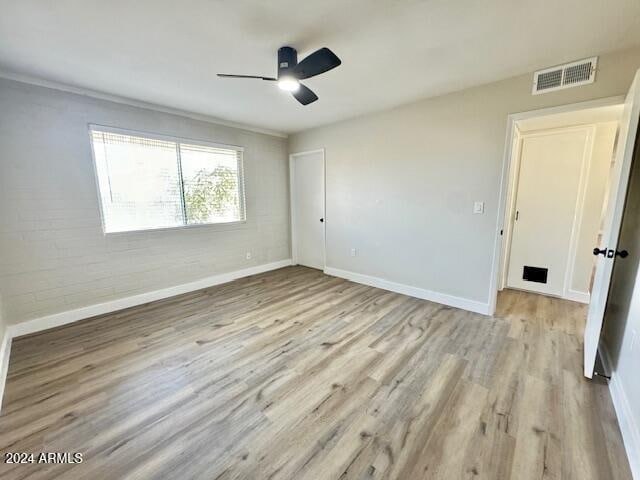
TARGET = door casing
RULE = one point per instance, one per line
(508, 176)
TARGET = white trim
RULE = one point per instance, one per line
(62, 87)
(5, 350)
(571, 107)
(179, 141)
(585, 173)
(443, 298)
(63, 318)
(292, 204)
(499, 242)
(577, 296)
(628, 426)
(510, 206)
(70, 316)
(292, 213)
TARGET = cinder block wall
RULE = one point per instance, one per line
(54, 256)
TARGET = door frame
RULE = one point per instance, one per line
(292, 205)
(508, 177)
(514, 185)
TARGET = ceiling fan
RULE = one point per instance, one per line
(290, 72)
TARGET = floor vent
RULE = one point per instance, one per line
(564, 76)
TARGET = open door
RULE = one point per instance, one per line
(606, 252)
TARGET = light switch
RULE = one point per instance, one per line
(478, 207)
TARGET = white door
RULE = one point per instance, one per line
(307, 208)
(550, 186)
(611, 224)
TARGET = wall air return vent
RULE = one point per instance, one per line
(564, 76)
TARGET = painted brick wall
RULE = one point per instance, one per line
(53, 254)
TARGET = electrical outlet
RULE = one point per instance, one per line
(248, 255)
(353, 252)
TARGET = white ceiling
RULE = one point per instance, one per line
(393, 51)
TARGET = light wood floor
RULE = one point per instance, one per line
(296, 375)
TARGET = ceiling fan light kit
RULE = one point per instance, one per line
(288, 84)
(290, 72)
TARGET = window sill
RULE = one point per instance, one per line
(221, 226)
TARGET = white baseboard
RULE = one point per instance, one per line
(450, 300)
(70, 316)
(576, 296)
(628, 425)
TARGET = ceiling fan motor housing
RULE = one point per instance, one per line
(287, 59)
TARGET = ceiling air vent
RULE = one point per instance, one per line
(564, 76)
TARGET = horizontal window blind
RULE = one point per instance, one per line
(213, 188)
(148, 183)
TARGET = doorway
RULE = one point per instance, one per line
(307, 177)
(548, 202)
(606, 249)
(560, 164)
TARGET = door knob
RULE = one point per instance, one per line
(622, 253)
(598, 251)
(322, 220)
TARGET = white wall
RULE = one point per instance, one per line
(401, 183)
(53, 254)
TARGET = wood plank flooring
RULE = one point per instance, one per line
(293, 374)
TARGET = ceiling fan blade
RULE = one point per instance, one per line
(305, 95)
(318, 62)
(226, 75)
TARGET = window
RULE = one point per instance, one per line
(149, 182)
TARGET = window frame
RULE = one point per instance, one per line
(91, 127)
